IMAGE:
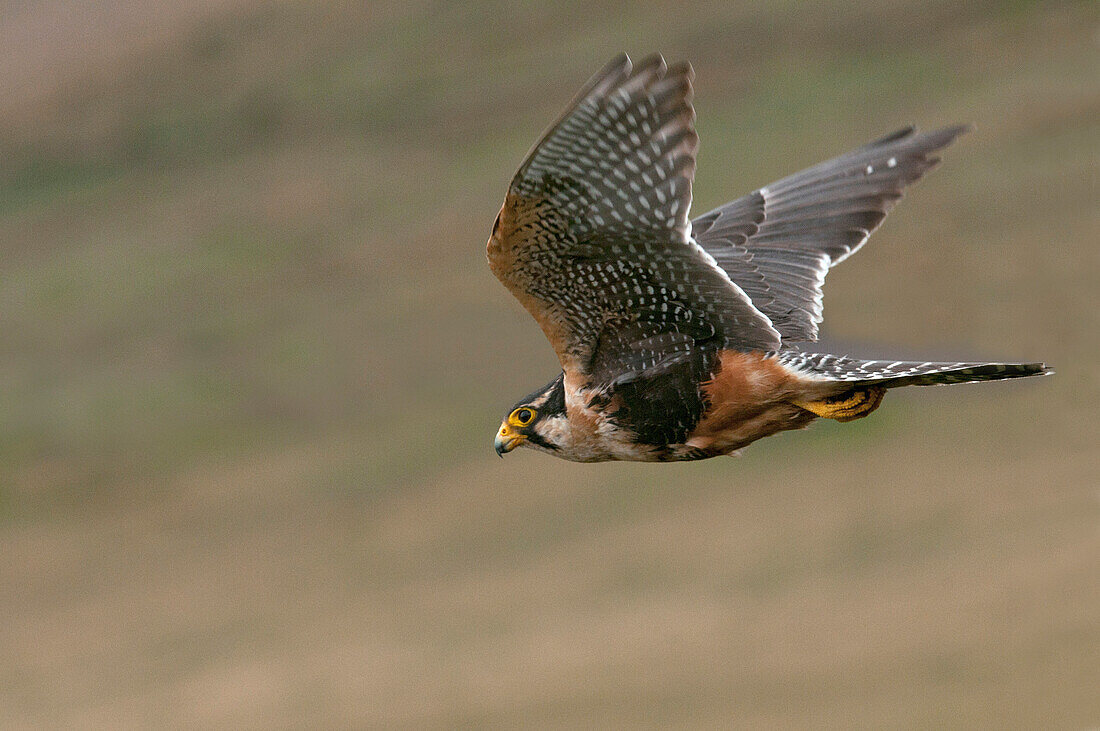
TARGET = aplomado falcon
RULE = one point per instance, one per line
(676, 336)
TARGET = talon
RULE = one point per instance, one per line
(846, 406)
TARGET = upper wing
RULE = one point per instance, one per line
(778, 242)
(594, 237)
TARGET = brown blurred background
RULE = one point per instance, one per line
(252, 359)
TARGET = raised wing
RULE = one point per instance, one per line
(779, 242)
(594, 237)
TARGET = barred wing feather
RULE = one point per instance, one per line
(594, 237)
(779, 242)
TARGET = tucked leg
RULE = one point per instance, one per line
(846, 406)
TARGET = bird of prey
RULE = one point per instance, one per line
(676, 336)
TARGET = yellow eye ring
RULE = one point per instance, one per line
(522, 416)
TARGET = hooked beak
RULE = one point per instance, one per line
(507, 439)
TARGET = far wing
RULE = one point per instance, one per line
(779, 242)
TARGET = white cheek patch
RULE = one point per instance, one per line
(555, 430)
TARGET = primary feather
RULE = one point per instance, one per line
(779, 242)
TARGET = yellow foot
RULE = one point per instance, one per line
(846, 406)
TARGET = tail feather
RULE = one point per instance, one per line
(893, 374)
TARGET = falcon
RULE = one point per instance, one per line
(676, 337)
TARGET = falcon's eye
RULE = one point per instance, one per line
(523, 417)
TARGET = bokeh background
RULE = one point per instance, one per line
(252, 360)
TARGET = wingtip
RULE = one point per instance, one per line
(911, 134)
(654, 61)
(618, 61)
(683, 68)
(613, 72)
(953, 132)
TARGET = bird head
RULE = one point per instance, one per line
(537, 421)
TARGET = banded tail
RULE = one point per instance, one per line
(893, 374)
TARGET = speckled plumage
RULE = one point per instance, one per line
(674, 336)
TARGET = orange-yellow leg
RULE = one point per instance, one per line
(850, 405)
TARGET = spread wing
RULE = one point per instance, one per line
(779, 242)
(594, 238)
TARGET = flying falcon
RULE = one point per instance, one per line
(675, 336)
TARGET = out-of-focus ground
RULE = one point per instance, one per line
(251, 361)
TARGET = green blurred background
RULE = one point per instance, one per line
(252, 360)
